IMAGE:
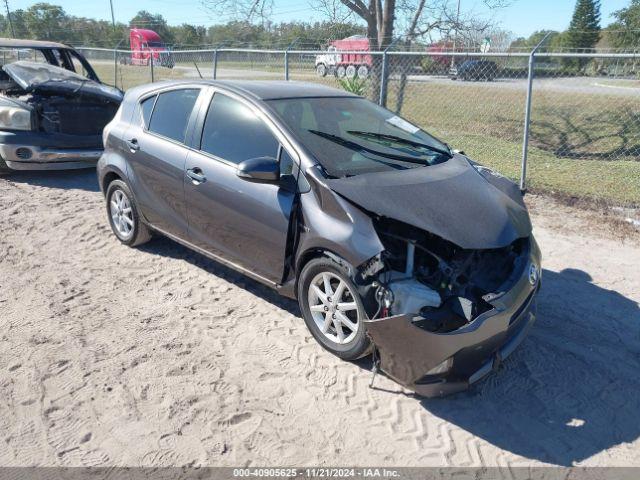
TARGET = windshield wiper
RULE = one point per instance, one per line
(396, 139)
(357, 147)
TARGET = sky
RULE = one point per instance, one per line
(522, 17)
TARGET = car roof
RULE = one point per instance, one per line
(18, 43)
(265, 89)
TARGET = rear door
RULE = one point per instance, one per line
(241, 221)
(157, 145)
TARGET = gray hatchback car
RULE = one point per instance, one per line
(392, 243)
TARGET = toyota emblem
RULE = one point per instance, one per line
(533, 274)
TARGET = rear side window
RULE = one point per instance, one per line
(147, 107)
(171, 113)
(235, 133)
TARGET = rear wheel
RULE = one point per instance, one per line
(363, 71)
(332, 308)
(351, 71)
(341, 71)
(124, 217)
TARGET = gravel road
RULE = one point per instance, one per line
(158, 356)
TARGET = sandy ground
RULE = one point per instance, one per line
(158, 356)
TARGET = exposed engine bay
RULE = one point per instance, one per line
(60, 101)
(71, 115)
(445, 286)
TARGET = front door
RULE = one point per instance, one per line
(242, 221)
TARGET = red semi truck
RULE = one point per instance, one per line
(146, 45)
(347, 65)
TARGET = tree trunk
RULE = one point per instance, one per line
(376, 60)
(404, 65)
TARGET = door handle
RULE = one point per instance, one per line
(133, 145)
(196, 175)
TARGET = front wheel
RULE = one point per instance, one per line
(332, 308)
(124, 217)
(3, 168)
(321, 70)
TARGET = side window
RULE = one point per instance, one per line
(77, 64)
(171, 114)
(286, 163)
(234, 133)
(147, 107)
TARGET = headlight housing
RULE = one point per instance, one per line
(14, 118)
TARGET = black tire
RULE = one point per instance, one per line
(351, 71)
(321, 70)
(359, 345)
(139, 233)
(3, 168)
(363, 72)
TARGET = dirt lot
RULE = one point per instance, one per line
(158, 356)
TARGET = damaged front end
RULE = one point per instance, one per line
(451, 291)
(447, 316)
(61, 116)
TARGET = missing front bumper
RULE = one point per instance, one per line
(408, 352)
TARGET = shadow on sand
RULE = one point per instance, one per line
(571, 390)
(84, 179)
(168, 248)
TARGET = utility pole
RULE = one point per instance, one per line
(6, 4)
(113, 18)
(455, 37)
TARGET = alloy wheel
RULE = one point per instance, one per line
(121, 214)
(333, 308)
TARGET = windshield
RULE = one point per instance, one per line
(351, 136)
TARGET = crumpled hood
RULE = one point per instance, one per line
(451, 200)
(45, 78)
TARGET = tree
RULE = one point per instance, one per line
(383, 19)
(155, 22)
(46, 22)
(584, 29)
(187, 35)
(528, 44)
(625, 31)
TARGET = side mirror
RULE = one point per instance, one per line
(261, 169)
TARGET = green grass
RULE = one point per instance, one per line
(582, 144)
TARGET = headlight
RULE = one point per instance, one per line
(15, 118)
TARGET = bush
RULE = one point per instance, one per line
(355, 85)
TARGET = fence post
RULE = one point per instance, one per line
(215, 63)
(115, 67)
(286, 58)
(383, 80)
(286, 64)
(151, 67)
(527, 116)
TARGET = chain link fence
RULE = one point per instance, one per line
(580, 136)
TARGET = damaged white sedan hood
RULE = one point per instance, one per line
(45, 78)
